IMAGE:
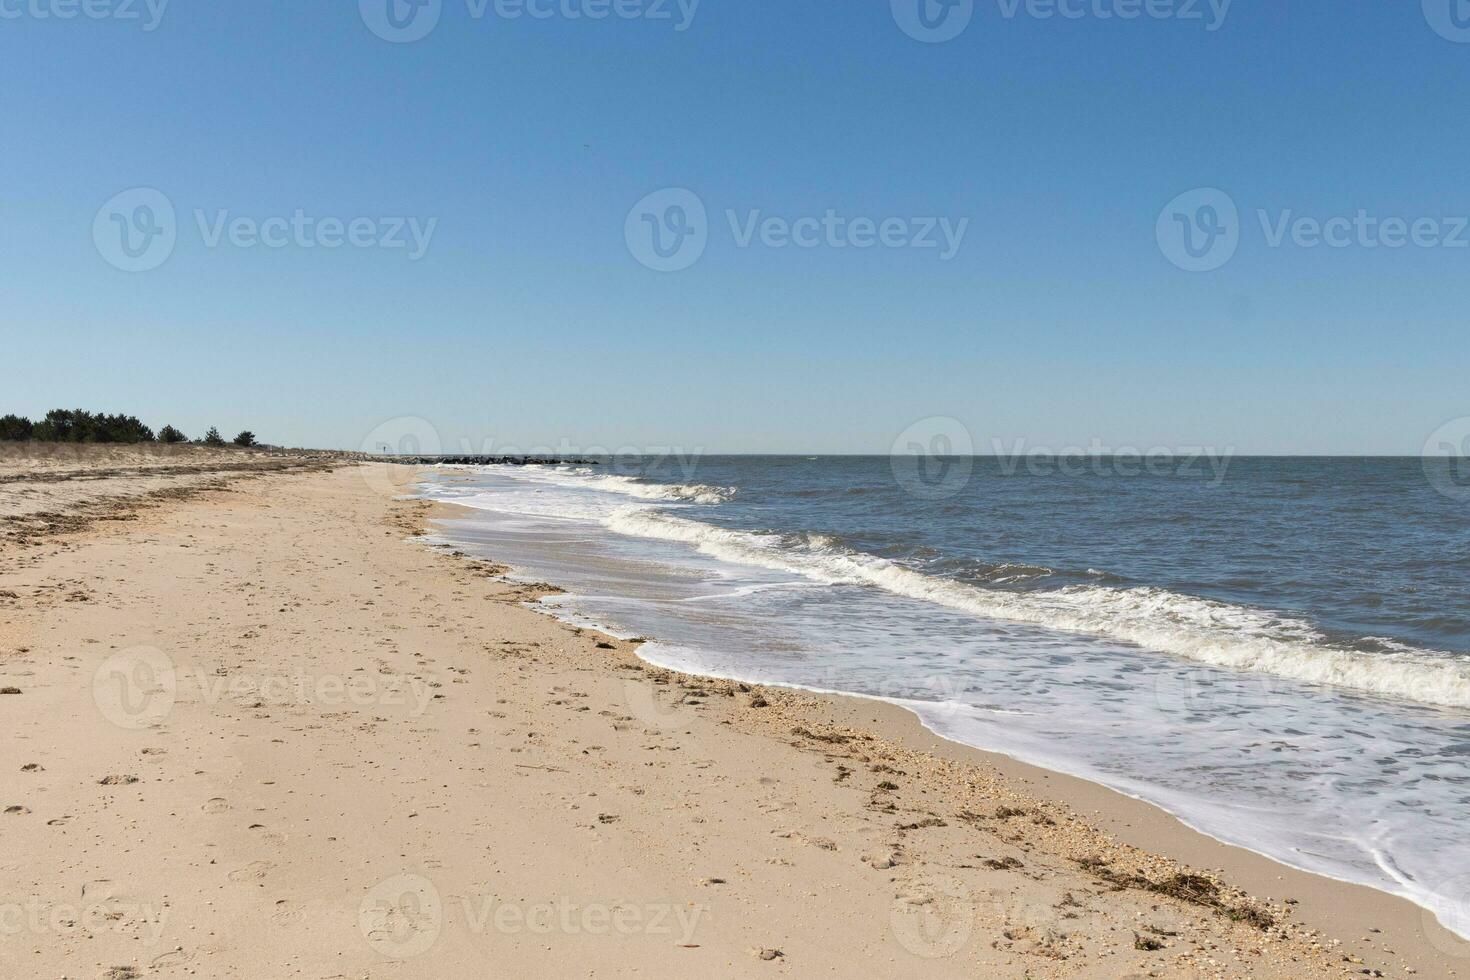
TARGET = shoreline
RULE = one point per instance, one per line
(1085, 793)
(354, 755)
(1031, 767)
(1337, 907)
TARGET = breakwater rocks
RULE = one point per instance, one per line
(482, 460)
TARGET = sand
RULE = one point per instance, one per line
(266, 731)
(46, 489)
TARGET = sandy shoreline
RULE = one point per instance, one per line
(264, 732)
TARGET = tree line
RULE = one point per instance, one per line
(76, 425)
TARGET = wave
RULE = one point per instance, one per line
(1204, 630)
(588, 479)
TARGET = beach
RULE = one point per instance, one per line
(261, 728)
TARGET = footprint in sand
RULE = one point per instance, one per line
(216, 805)
(174, 957)
(288, 917)
(254, 871)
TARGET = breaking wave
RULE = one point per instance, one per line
(587, 479)
(1204, 630)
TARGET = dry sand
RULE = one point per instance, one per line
(47, 489)
(264, 732)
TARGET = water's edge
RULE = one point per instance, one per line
(1139, 793)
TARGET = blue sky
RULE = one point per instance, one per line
(1059, 320)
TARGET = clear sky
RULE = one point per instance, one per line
(519, 146)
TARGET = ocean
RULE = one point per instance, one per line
(1276, 650)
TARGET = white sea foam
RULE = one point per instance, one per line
(1203, 630)
(588, 479)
